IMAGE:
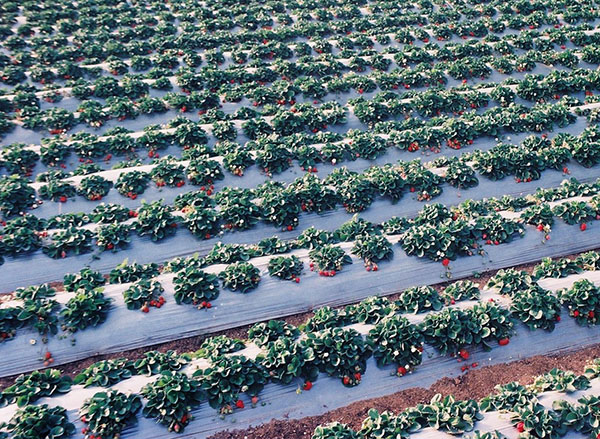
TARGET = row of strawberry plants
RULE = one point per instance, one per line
(273, 157)
(86, 41)
(392, 340)
(25, 234)
(235, 83)
(281, 206)
(527, 414)
(59, 120)
(436, 233)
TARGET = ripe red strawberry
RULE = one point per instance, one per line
(63, 199)
(464, 354)
(521, 427)
(110, 246)
(346, 381)
(254, 399)
(540, 227)
(208, 305)
(48, 355)
(332, 273)
(445, 262)
(290, 228)
(357, 376)
(583, 227)
(401, 371)
(503, 341)
(239, 404)
(297, 280)
(307, 385)
(145, 308)
(576, 313)
(591, 314)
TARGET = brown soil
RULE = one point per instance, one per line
(192, 344)
(475, 384)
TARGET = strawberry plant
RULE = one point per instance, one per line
(202, 222)
(35, 292)
(538, 214)
(237, 209)
(15, 195)
(168, 172)
(195, 286)
(217, 346)
(371, 310)
(340, 353)
(38, 384)
(170, 399)
(583, 302)
(354, 229)
(494, 228)
(386, 424)
(507, 397)
(72, 239)
(284, 360)
(113, 237)
(240, 276)
(583, 417)
(109, 213)
(202, 171)
(536, 421)
(94, 187)
(133, 183)
(372, 249)
(227, 377)
(106, 414)
(334, 430)
(88, 308)
(105, 373)
(156, 220)
(510, 281)
(286, 268)
(328, 259)
(144, 293)
(355, 193)
(419, 299)
(461, 290)
(555, 268)
(9, 322)
(460, 175)
(312, 238)
(264, 333)
(154, 362)
(560, 381)
(228, 253)
(395, 340)
(536, 307)
(57, 190)
(40, 421)
(448, 415)
(574, 212)
(280, 207)
(325, 317)
(490, 322)
(449, 330)
(125, 273)
(442, 241)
